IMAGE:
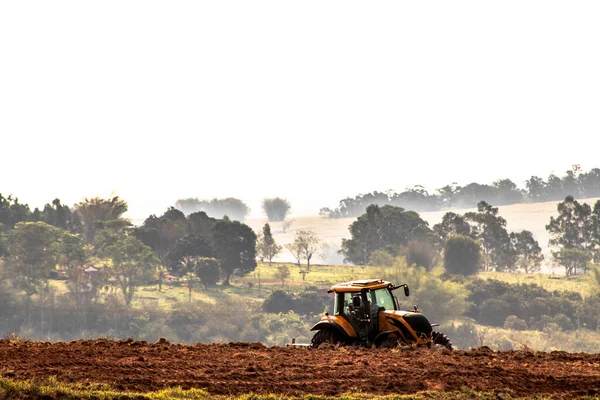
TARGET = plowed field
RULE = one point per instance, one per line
(239, 368)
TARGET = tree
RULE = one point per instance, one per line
(216, 208)
(387, 228)
(190, 280)
(308, 243)
(132, 264)
(207, 269)
(187, 246)
(296, 251)
(572, 259)
(59, 215)
(462, 255)
(162, 233)
(572, 228)
(266, 246)
(71, 257)
(282, 273)
(452, 224)
(536, 187)
(287, 224)
(12, 212)
(276, 208)
(32, 256)
(490, 230)
(529, 253)
(235, 245)
(92, 211)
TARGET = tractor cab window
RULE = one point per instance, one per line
(383, 298)
(343, 301)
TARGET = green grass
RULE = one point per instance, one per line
(53, 389)
(578, 283)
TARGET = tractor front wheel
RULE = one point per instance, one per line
(326, 336)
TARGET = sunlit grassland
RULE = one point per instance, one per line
(579, 283)
(53, 390)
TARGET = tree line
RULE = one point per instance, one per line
(275, 208)
(575, 182)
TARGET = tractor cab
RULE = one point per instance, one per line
(361, 303)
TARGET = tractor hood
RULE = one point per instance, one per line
(417, 321)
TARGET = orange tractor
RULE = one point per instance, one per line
(366, 313)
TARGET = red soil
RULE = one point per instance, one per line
(239, 368)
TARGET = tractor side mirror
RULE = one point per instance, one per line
(406, 291)
(356, 301)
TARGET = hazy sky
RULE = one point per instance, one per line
(310, 100)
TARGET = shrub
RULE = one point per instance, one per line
(439, 299)
(515, 323)
(278, 301)
(462, 255)
(493, 312)
(420, 253)
(381, 258)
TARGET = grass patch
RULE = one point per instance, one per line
(578, 283)
(53, 389)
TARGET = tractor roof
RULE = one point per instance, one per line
(357, 286)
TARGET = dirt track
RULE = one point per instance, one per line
(241, 368)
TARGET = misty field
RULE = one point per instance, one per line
(529, 216)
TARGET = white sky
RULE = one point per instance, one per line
(310, 100)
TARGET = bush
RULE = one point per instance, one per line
(439, 299)
(279, 301)
(494, 312)
(381, 258)
(420, 253)
(515, 323)
(462, 255)
(276, 208)
(207, 269)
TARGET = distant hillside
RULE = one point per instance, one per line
(530, 216)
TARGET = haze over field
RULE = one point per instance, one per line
(313, 101)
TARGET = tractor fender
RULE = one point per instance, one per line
(384, 335)
(331, 325)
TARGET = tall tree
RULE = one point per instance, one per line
(308, 243)
(266, 247)
(162, 233)
(59, 215)
(12, 212)
(571, 228)
(452, 224)
(216, 208)
(95, 211)
(32, 256)
(528, 251)
(187, 246)
(235, 245)
(536, 187)
(490, 230)
(132, 264)
(387, 228)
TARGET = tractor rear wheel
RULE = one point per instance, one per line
(326, 336)
(441, 341)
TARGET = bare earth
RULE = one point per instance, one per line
(239, 368)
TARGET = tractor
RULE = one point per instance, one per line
(366, 313)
